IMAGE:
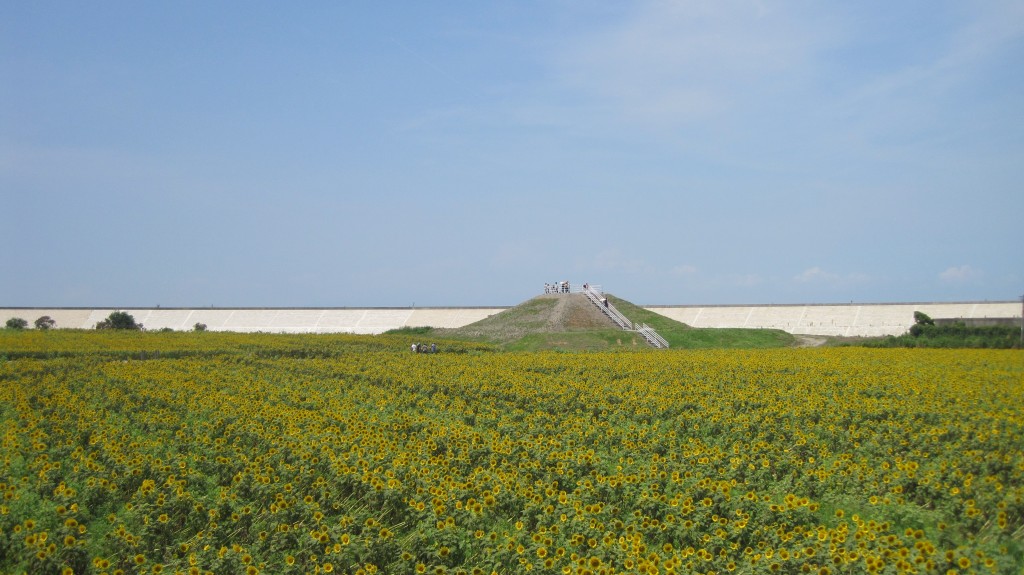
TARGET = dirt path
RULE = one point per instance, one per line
(575, 311)
(809, 340)
(550, 313)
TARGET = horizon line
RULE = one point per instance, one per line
(313, 307)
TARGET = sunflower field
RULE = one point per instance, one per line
(230, 453)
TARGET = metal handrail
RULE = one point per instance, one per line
(652, 337)
(661, 340)
(608, 309)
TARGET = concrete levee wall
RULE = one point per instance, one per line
(271, 320)
(864, 320)
(811, 319)
(1013, 322)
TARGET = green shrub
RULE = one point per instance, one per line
(16, 323)
(45, 322)
(954, 335)
(119, 320)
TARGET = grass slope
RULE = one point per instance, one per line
(680, 335)
(549, 322)
(572, 323)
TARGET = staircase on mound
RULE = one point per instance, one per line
(596, 297)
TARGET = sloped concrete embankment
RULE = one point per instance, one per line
(819, 320)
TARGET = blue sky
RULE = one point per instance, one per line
(465, 153)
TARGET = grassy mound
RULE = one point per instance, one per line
(570, 322)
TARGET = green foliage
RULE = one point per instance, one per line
(199, 327)
(921, 320)
(119, 320)
(242, 347)
(591, 340)
(422, 330)
(955, 335)
(45, 322)
(16, 323)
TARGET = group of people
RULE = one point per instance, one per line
(423, 348)
(557, 287)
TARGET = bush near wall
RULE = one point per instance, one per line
(955, 335)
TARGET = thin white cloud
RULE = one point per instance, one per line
(72, 164)
(994, 25)
(959, 274)
(689, 60)
(745, 280)
(729, 78)
(894, 111)
(514, 254)
(819, 276)
(613, 260)
(816, 274)
(683, 271)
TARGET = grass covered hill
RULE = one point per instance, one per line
(570, 322)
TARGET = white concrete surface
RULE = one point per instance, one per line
(841, 319)
(285, 320)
